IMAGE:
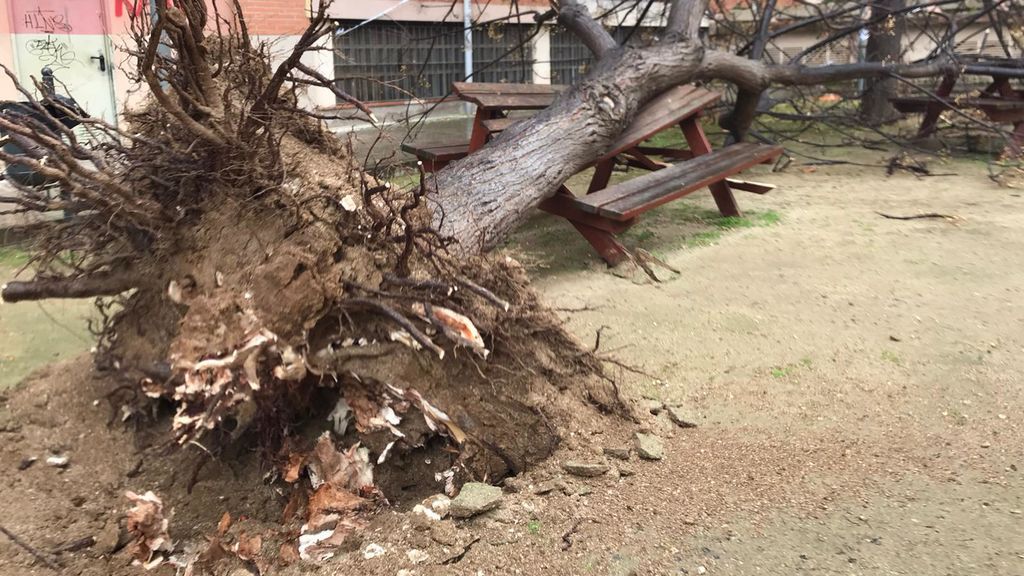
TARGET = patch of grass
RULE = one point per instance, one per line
(12, 257)
(890, 356)
(958, 417)
(533, 526)
(791, 368)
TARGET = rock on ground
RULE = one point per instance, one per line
(475, 498)
(649, 446)
(585, 469)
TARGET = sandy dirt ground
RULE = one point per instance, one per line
(856, 382)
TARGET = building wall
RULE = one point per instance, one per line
(279, 22)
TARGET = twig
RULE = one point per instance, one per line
(597, 338)
(35, 553)
(485, 293)
(403, 322)
(627, 367)
(567, 537)
(918, 216)
(75, 545)
(461, 555)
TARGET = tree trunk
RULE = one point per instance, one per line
(884, 46)
(483, 197)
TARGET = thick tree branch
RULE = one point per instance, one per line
(754, 77)
(684, 19)
(81, 287)
(578, 20)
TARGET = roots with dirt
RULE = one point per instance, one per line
(278, 308)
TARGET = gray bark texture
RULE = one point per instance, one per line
(884, 46)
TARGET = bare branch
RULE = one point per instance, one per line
(684, 19)
(578, 20)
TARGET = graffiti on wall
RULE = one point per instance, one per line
(52, 52)
(44, 21)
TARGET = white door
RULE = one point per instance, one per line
(71, 38)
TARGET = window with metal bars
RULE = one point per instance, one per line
(383, 61)
(571, 59)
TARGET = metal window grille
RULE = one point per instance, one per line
(399, 60)
(503, 53)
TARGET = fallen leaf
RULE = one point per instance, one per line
(247, 547)
(224, 524)
(148, 528)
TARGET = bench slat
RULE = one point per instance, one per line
(490, 95)
(437, 152)
(631, 198)
(499, 124)
(503, 88)
(672, 107)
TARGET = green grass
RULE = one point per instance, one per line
(790, 369)
(12, 257)
(33, 334)
(533, 526)
(890, 356)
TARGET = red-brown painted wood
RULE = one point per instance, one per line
(699, 145)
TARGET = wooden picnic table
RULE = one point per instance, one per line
(604, 210)
(1000, 101)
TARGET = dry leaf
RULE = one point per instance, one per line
(247, 547)
(224, 525)
(148, 528)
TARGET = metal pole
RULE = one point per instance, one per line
(467, 41)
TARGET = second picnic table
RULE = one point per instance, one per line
(604, 210)
(1000, 101)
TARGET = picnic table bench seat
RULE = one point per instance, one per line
(917, 104)
(625, 201)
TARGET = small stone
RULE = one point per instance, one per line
(475, 498)
(620, 452)
(702, 570)
(404, 572)
(58, 461)
(986, 445)
(584, 490)
(653, 406)
(545, 487)
(649, 447)
(585, 469)
(679, 417)
(373, 551)
(26, 463)
(514, 484)
(626, 472)
(438, 503)
(444, 534)
(417, 556)
(108, 539)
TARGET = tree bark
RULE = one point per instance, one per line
(884, 46)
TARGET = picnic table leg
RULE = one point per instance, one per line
(931, 115)
(1015, 147)
(479, 135)
(699, 145)
(602, 174)
(605, 243)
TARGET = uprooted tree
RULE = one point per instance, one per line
(255, 278)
